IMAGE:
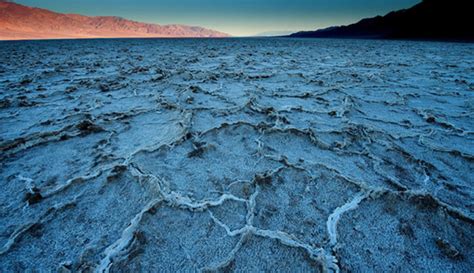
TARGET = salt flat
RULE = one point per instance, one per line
(236, 155)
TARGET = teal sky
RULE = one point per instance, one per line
(236, 17)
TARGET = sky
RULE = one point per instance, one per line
(235, 17)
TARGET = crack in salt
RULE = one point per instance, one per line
(333, 219)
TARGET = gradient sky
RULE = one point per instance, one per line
(236, 17)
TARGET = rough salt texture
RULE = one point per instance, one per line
(236, 155)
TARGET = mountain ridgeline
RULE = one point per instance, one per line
(19, 22)
(428, 20)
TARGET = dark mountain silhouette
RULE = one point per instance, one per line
(22, 22)
(430, 19)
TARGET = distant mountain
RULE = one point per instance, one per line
(430, 19)
(22, 22)
(274, 33)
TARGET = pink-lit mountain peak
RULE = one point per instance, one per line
(22, 22)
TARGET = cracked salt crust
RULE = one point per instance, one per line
(236, 155)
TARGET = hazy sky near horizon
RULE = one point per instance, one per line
(236, 17)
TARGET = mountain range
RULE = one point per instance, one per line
(18, 22)
(428, 20)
